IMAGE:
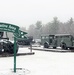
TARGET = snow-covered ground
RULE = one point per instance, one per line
(41, 63)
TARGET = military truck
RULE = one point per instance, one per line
(47, 41)
(6, 46)
(65, 41)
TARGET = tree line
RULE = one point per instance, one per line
(53, 27)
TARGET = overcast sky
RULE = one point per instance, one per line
(27, 12)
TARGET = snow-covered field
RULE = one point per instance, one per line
(41, 63)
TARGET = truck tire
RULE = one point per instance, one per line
(46, 45)
(11, 48)
(63, 46)
(1, 52)
(54, 47)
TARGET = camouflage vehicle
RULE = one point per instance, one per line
(6, 46)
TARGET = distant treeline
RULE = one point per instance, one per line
(53, 27)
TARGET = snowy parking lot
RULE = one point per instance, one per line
(41, 63)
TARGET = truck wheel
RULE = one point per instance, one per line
(46, 45)
(54, 47)
(1, 52)
(11, 48)
(63, 46)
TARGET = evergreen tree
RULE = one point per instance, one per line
(38, 29)
(54, 26)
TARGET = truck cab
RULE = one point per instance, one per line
(47, 40)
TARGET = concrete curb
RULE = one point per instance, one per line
(50, 50)
(18, 54)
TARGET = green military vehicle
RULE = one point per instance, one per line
(65, 41)
(48, 41)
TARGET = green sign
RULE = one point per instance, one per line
(9, 28)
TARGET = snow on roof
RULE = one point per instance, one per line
(62, 34)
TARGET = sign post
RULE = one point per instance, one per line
(17, 36)
(14, 54)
